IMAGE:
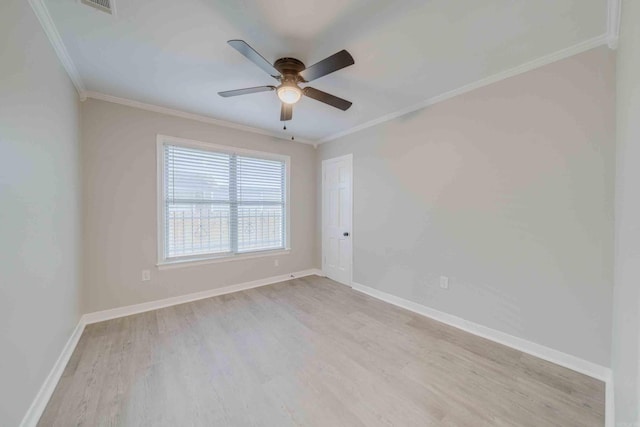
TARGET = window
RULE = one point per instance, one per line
(218, 202)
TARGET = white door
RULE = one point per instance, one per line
(336, 218)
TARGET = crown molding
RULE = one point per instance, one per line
(610, 38)
(49, 27)
(528, 66)
(614, 9)
(42, 13)
(191, 116)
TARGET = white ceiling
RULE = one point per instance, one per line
(174, 53)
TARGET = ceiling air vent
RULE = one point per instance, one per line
(102, 5)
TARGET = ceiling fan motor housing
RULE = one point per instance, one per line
(289, 92)
(289, 68)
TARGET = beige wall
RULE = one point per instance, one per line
(120, 235)
(39, 209)
(626, 332)
(508, 190)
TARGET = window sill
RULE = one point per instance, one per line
(165, 265)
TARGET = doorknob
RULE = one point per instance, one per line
(345, 234)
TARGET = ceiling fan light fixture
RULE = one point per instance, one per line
(289, 93)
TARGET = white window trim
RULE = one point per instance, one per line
(163, 263)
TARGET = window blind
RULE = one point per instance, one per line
(217, 203)
(260, 203)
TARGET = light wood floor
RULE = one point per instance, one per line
(308, 352)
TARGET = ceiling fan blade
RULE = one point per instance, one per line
(246, 91)
(253, 56)
(327, 98)
(335, 62)
(286, 112)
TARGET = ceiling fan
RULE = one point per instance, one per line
(290, 72)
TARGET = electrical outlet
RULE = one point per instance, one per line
(146, 275)
(444, 282)
(276, 262)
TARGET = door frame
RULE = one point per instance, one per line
(348, 157)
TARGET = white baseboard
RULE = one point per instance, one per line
(610, 407)
(100, 316)
(554, 356)
(559, 358)
(44, 394)
(572, 362)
